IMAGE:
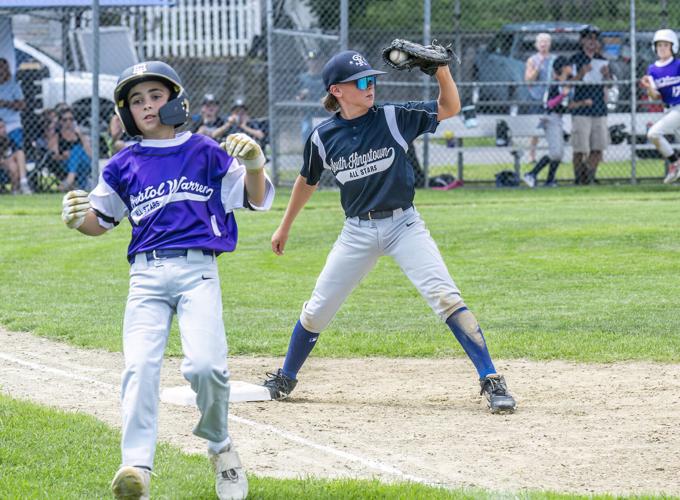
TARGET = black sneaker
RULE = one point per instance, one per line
(497, 395)
(280, 386)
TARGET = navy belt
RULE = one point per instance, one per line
(169, 253)
(379, 214)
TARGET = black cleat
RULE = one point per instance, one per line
(280, 386)
(497, 396)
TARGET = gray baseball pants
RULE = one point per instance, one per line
(406, 239)
(190, 287)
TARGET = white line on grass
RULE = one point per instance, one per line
(373, 464)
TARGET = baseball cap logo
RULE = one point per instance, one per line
(138, 69)
(358, 60)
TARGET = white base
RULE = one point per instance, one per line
(240, 391)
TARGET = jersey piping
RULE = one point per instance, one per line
(391, 119)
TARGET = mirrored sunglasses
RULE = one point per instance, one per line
(363, 83)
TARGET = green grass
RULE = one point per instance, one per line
(46, 453)
(580, 274)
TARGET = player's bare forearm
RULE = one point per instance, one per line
(91, 226)
(255, 186)
(448, 103)
(299, 197)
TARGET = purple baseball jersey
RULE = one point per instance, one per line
(178, 193)
(666, 78)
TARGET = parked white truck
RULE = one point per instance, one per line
(42, 79)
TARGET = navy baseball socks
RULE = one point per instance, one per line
(468, 333)
(282, 383)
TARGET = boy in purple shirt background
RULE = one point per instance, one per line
(662, 81)
(179, 192)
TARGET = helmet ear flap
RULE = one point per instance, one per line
(176, 111)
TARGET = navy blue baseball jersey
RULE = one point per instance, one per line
(177, 193)
(367, 155)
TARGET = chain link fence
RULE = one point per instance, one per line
(255, 66)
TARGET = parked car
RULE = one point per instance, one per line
(42, 80)
(503, 60)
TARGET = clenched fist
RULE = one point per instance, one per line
(245, 149)
(75, 206)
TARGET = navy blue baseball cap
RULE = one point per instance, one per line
(347, 66)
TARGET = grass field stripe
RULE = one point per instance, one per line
(56, 371)
(373, 464)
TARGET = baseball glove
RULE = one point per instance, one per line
(402, 54)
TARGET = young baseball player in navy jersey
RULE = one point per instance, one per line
(364, 146)
(662, 81)
(179, 192)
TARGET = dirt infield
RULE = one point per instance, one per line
(583, 428)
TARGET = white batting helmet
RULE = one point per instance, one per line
(666, 36)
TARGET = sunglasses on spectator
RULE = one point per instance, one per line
(363, 83)
(67, 119)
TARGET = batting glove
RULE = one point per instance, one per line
(245, 149)
(75, 206)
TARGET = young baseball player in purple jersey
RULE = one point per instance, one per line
(179, 192)
(662, 81)
(364, 146)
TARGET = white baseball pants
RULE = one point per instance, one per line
(190, 287)
(403, 237)
(668, 124)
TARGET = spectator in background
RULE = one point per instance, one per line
(589, 131)
(71, 147)
(13, 162)
(49, 127)
(11, 104)
(8, 165)
(116, 137)
(538, 70)
(239, 121)
(209, 120)
(310, 91)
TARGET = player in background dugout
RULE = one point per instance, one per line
(365, 148)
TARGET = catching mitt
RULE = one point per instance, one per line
(402, 54)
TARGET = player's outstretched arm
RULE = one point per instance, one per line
(448, 102)
(76, 214)
(299, 197)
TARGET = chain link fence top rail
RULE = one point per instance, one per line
(240, 76)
